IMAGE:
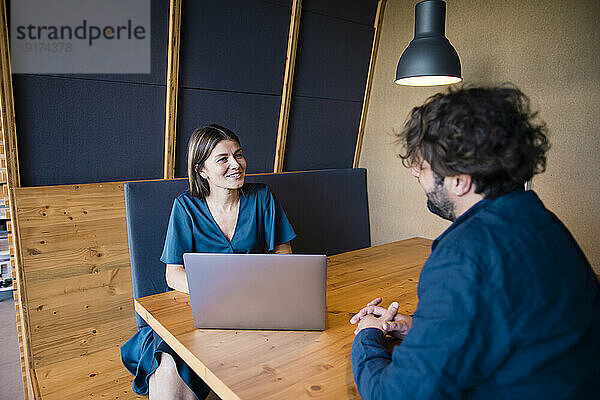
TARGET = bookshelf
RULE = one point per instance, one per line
(6, 269)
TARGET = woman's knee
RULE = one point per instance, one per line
(165, 382)
(167, 370)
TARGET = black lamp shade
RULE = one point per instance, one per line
(429, 59)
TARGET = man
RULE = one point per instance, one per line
(509, 307)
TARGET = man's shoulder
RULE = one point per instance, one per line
(516, 217)
(509, 232)
(498, 231)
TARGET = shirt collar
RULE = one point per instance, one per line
(480, 205)
(461, 219)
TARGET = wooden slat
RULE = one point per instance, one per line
(96, 376)
(73, 262)
(172, 88)
(288, 82)
(83, 341)
(7, 110)
(26, 389)
(30, 383)
(363, 116)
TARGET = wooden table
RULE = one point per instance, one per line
(293, 364)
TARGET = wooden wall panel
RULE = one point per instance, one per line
(77, 289)
(288, 82)
(97, 376)
(74, 260)
(7, 110)
(172, 89)
(367, 96)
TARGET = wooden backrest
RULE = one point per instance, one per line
(74, 288)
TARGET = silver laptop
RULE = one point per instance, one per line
(257, 291)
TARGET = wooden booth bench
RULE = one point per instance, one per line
(74, 283)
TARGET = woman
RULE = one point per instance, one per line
(220, 214)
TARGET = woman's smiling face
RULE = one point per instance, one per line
(225, 167)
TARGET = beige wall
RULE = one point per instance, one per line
(551, 50)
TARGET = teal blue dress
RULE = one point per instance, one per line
(261, 226)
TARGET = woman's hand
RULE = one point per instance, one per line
(176, 278)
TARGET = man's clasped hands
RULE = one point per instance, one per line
(388, 320)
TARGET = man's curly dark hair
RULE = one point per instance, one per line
(489, 133)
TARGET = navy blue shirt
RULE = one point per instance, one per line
(509, 308)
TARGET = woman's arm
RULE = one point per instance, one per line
(176, 278)
(285, 248)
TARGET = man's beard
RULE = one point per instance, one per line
(439, 204)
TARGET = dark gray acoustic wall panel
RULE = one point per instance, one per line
(232, 64)
(323, 133)
(359, 11)
(332, 61)
(94, 127)
(80, 131)
(159, 34)
(233, 45)
(333, 58)
(253, 117)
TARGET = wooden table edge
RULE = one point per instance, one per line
(218, 386)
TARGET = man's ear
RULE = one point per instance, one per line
(461, 185)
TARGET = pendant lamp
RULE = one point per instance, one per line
(429, 59)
